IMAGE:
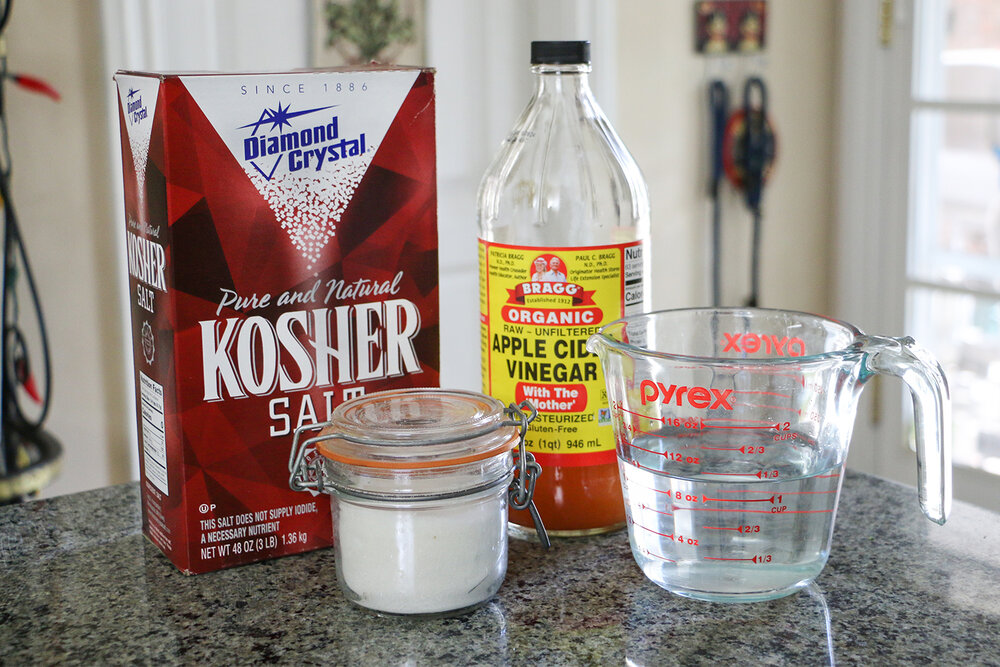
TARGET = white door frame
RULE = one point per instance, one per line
(870, 222)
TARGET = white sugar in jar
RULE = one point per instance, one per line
(418, 482)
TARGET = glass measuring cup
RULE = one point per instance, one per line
(732, 430)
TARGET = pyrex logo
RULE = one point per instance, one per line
(696, 397)
(751, 343)
(134, 108)
(313, 147)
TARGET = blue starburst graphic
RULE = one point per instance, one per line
(280, 117)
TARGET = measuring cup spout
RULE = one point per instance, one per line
(923, 376)
(596, 344)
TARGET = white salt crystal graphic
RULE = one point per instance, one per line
(140, 154)
(309, 206)
(307, 203)
(138, 99)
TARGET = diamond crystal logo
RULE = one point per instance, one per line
(307, 170)
(305, 142)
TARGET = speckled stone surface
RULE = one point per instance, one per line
(80, 585)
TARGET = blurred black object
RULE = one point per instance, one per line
(29, 456)
(718, 105)
(758, 152)
(749, 151)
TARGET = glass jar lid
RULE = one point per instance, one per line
(418, 428)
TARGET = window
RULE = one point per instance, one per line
(953, 269)
(919, 217)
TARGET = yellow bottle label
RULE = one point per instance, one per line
(538, 306)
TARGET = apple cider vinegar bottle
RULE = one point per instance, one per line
(563, 249)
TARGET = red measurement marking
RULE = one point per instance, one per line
(678, 508)
(740, 529)
(639, 465)
(688, 423)
(705, 499)
(755, 559)
(836, 474)
(743, 421)
(695, 426)
(760, 474)
(639, 414)
(669, 537)
(783, 493)
(742, 448)
(643, 486)
(648, 451)
(764, 426)
(731, 474)
(650, 553)
(653, 509)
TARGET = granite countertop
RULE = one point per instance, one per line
(81, 585)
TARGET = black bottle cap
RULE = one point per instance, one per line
(560, 53)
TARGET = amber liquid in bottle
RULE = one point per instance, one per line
(576, 500)
(563, 187)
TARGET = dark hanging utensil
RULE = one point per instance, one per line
(748, 159)
(718, 104)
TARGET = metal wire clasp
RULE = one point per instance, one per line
(527, 470)
(304, 466)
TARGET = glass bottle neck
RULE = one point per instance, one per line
(562, 79)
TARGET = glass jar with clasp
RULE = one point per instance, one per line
(420, 481)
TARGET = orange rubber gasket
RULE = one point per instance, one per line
(323, 448)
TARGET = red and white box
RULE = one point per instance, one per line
(281, 232)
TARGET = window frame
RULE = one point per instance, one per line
(873, 222)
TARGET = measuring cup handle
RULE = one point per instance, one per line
(925, 379)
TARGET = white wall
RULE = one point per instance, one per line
(663, 119)
(67, 186)
(481, 50)
(66, 182)
(62, 190)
